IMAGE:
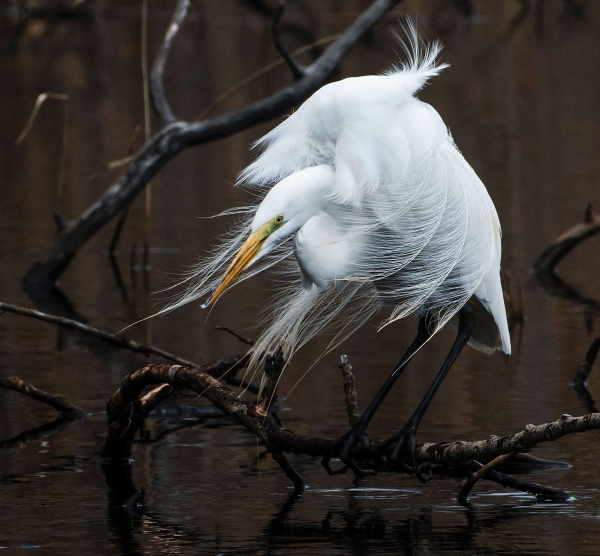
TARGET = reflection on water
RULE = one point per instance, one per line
(519, 99)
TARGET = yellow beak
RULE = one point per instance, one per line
(243, 258)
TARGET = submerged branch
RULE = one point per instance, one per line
(60, 403)
(125, 413)
(567, 241)
(225, 369)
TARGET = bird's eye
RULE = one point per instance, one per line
(279, 219)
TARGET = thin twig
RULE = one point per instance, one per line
(473, 477)
(274, 365)
(43, 97)
(171, 140)
(147, 134)
(114, 339)
(580, 381)
(349, 390)
(541, 491)
(60, 403)
(262, 71)
(157, 90)
(241, 338)
(226, 368)
(297, 69)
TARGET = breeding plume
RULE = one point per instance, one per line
(369, 207)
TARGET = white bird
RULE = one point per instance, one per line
(372, 206)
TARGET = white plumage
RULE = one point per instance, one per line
(382, 211)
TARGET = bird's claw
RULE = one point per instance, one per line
(406, 443)
(355, 435)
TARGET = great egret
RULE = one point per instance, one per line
(382, 210)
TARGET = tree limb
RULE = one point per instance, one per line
(157, 90)
(298, 70)
(125, 412)
(60, 403)
(225, 369)
(172, 139)
(567, 241)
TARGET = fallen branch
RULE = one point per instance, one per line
(60, 403)
(544, 492)
(566, 242)
(481, 473)
(114, 339)
(225, 369)
(178, 135)
(125, 413)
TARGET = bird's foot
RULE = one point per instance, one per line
(344, 445)
(406, 445)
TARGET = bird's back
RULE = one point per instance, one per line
(428, 232)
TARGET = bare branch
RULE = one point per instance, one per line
(241, 338)
(463, 494)
(580, 381)
(114, 339)
(225, 368)
(38, 104)
(274, 365)
(298, 70)
(349, 390)
(60, 403)
(125, 413)
(566, 242)
(544, 492)
(175, 137)
(157, 90)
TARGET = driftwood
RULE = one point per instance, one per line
(126, 412)
(178, 135)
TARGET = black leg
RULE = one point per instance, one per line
(358, 431)
(406, 437)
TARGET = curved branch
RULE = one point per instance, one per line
(175, 137)
(125, 413)
(566, 242)
(157, 90)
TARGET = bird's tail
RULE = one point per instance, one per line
(421, 62)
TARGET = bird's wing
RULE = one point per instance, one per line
(347, 125)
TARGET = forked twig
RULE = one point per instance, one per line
(473, 477)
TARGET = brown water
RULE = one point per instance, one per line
(521, 100)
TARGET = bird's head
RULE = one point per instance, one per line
(284, 210)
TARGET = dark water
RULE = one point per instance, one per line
(521, 99)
